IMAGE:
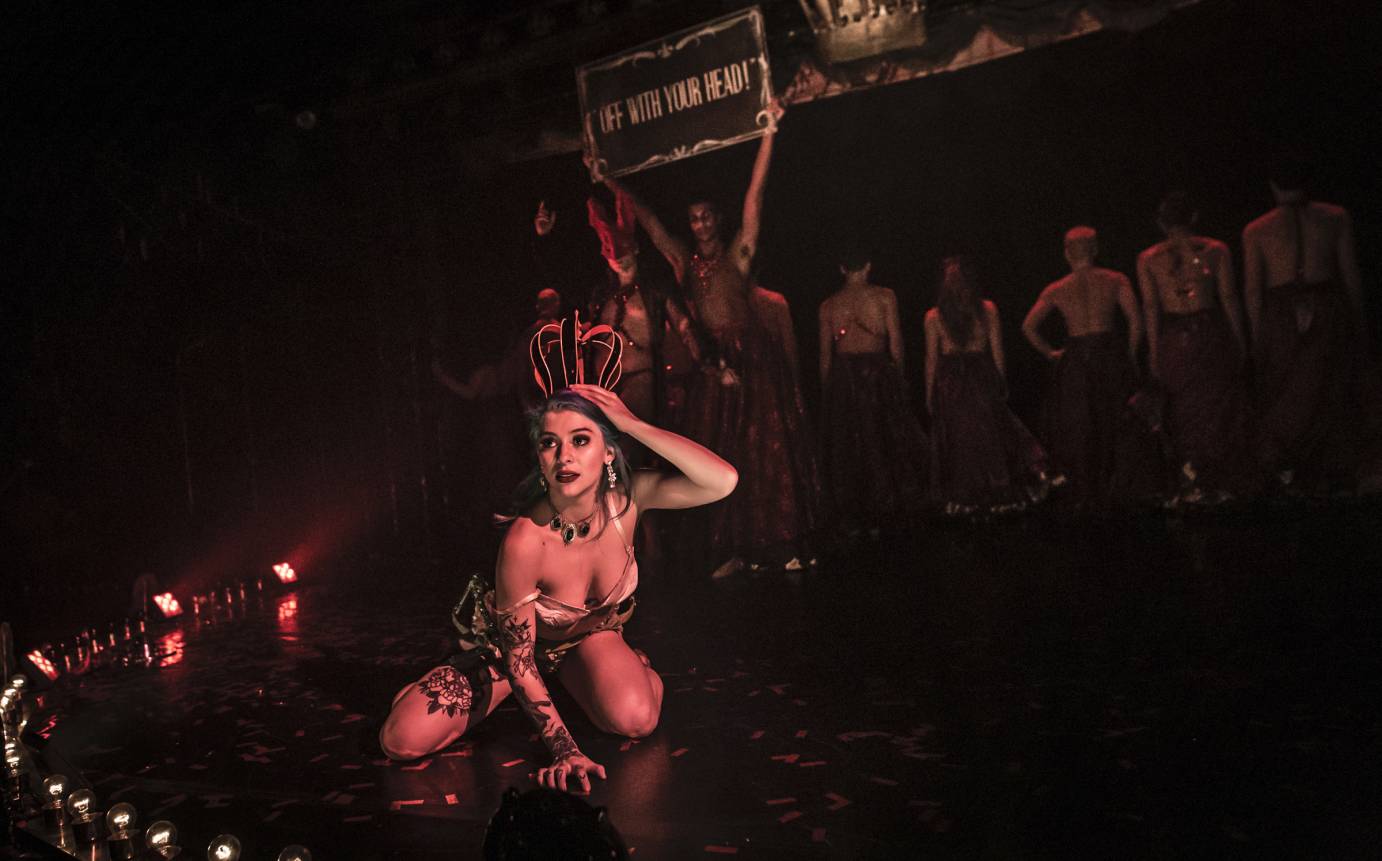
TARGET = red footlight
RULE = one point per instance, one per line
(42, 664)
(285, 573)
(170, 649)
(168, 605)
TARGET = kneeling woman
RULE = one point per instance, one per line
(563, 589)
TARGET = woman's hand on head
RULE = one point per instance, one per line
(609, 403)
(570, 774)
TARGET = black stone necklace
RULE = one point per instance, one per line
(570, 530)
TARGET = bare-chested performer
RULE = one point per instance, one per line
(1196, 349)
(873, 446)
(649, 313)
(1303, 292)
(743, 405)
(1084, 413)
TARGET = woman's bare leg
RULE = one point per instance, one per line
(434, 711)
(615, 685)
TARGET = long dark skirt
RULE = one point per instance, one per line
(1307, 383)
(873, 446)
(981, 454)
(1089, 431)
(1207, 407)
(759, 424)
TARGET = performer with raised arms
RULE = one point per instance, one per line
(743, 405)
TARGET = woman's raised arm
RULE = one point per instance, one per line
(705, 476)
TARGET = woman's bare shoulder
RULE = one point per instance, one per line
(524, 541)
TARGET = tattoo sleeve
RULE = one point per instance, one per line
(517, 640)
(560, 743)
(516, 636)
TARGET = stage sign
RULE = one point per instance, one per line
(672, 98)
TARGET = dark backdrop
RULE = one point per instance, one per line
(218, 350)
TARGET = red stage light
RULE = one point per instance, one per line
(168, 605)
(170, 648)
(43, 665)
(288, 617)
(285, 573)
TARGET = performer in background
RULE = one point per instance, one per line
(743, 405)
(1303, 292)
(872, 443)
(640, 309)
(775, 313)
(981, 454)
(491, 401)
(1087, 428)
(565, 576)
(1196, 350)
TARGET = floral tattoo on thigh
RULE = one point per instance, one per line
(448, 690)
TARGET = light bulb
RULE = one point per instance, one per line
(19, 683)
(223, 848)
(160, 834)
(121, 817)
(13, 760)
(79, 803)
(295, 853)
(55, 787)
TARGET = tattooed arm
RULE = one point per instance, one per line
(519, 561)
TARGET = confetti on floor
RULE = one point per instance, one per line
(915, 727)
(411, 802)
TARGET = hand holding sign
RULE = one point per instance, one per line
(774, 110)
(690, 92)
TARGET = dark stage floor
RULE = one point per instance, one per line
(1148, 686)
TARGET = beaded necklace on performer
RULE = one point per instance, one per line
(702, 265)
(622, 298)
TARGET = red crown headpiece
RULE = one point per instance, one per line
(564, 355)
(617, 238)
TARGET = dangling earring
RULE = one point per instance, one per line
(542, 480)
(609, 471)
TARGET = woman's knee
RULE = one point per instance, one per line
(398, 743)
(634, 715)
(431, 713)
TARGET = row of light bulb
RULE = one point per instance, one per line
(161, 837)
(12, 717)
(88, 643)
